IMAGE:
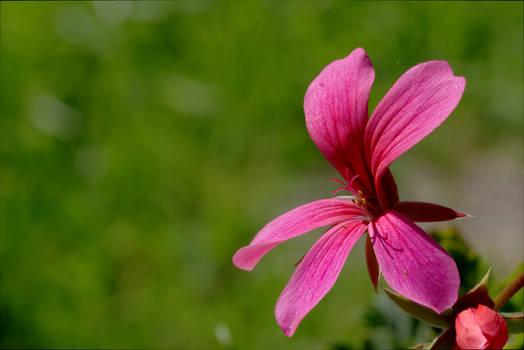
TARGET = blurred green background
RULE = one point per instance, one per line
(144, 142)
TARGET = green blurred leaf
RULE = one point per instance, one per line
(418, 311)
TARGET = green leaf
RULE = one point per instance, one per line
(418, 311)
(515, 321)
(477, 295)
(484, 280)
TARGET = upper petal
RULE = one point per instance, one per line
(293, 223)
(412, 263)
(420, 100)
(336, 109)
(316, 274)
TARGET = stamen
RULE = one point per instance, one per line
(353, 179)
(352, 188)
(349, 187)
(339, 189)
(367, 206)
(339, 181)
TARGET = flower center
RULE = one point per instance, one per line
(367, 206)
(370, 206)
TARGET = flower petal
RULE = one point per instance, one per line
(294, 223)
(316, 274)
(372, 264)
(427, 212)
(389, 191)
(468, 333)
(480, 328)
(412, 263)
(420, 100)
(492, 325)
(336, 109)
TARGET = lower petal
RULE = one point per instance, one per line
(298, 221)
(372, 264)
(412, 263)
(316, 274)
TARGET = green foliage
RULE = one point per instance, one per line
(144, 142)
(418, 311)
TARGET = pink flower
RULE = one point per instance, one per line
(480, 328)
(361, 149)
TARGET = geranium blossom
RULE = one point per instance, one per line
(361, 149)
(480, 328)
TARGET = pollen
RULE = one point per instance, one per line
(405, 272)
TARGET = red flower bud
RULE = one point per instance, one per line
(480, 328)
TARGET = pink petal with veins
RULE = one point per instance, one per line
(427, 212)
(412, 263)
(294, 223)
(336, 109)
(420, 100)
(316, 274)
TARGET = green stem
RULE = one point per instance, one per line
(506, 294)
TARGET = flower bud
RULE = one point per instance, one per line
(480, 328)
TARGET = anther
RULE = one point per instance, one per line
(360, 193)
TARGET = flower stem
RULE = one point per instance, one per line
(506, 294)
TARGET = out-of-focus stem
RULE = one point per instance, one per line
(506, 294)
